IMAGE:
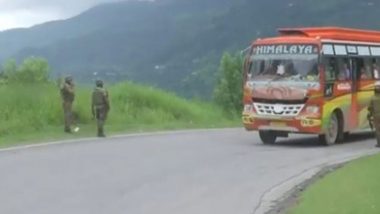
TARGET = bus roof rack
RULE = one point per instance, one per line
(334, 33)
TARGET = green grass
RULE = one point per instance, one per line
(33, 113)
(354, 189)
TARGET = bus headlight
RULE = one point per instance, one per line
(312, 109)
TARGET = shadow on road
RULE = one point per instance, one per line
(358, 137)
(312, 141)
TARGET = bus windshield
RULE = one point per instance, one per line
(284, 68)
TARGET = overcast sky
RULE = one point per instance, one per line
(26, 13)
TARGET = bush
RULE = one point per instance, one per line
(32, 70)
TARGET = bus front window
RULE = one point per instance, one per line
(285, 68)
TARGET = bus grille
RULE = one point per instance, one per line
(287, 110)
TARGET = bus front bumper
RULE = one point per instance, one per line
(301, 124)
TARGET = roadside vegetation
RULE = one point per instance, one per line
(30, 107)
(350, 190)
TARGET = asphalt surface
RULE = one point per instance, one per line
(196, 172)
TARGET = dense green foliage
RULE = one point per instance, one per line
(353, 189)
(32, 70)
(37, 107)
(172, 44)
(229, 91)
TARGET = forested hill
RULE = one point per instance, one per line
(173, 44)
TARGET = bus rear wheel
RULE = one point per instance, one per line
(333, 132)
(268, 137)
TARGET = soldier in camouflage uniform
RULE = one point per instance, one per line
(68, 95)
(100, 106)
(374, 112)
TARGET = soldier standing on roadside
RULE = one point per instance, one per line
(68, 95)
(100, 106)
(374, 112)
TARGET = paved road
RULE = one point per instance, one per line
(196, 172)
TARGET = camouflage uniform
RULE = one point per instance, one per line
(68, 95)
(100, 106)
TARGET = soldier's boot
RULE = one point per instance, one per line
(101, 132)
(67, 130)
(377, 139)
(100, 128)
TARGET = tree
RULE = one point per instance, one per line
(2, 78)
(8, 71)
(32, 70)
(228, 92)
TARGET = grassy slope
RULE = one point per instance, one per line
(31, 113)
(353, 189)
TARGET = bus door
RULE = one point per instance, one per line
(364, 70)
(347, 87)
(341, 82)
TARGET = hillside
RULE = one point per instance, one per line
(173, 44)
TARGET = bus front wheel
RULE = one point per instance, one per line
(333, 132)
(268, 137)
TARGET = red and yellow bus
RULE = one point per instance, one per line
(310, 80)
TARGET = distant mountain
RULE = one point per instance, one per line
(173, 44)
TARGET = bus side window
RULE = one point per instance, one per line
(367, 70)
(360, 69)
(344, 69)
(331, 69)
(375, 67)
